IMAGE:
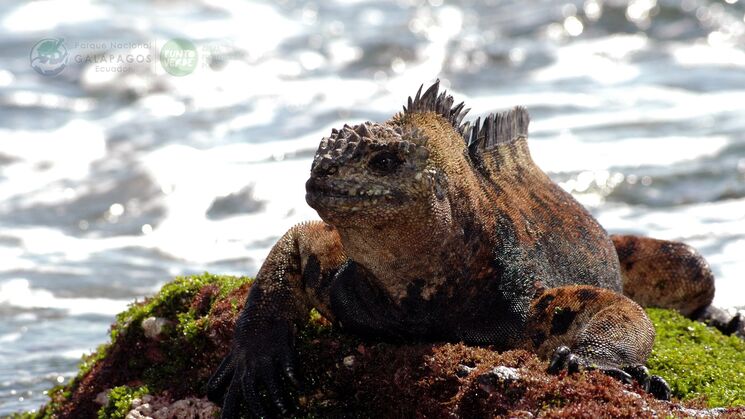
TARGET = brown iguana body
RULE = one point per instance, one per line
(442, 231)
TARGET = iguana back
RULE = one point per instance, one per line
(540, 232)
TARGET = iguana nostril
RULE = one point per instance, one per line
(325, 168)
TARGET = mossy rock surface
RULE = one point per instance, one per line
(188, 329)
(697, 361)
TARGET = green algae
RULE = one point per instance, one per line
(698, 361)
(23, 415)
(170, 301)
(180, 342)
(120, 401)
(173, 302)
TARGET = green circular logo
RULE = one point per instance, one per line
(178, 57)
(49, 57)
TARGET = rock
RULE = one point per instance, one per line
(497, 379)
(503, 374)
(161, 408)
(102, 398)
(163, 351)
(349, 361)
(463, 371)
(737, 325)
(153, 326)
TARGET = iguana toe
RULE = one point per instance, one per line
(640, 374)
(220, 380)
(659, 388)
(560, 359)
(653, 384)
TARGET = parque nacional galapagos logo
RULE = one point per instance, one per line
(48, 57)
(178, 57)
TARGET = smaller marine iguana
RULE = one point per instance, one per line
(438, 230)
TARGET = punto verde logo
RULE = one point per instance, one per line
(48, 57)
(179, 57)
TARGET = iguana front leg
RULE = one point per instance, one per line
(583, 327)
(295, 277)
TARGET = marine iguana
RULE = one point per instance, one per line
(438, 230)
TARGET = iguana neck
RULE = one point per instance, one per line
(399, 255)
(444, 242)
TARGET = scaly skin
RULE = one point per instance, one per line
(440, 231)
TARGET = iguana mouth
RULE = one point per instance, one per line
(325, 192)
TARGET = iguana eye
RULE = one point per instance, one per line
(385, 162)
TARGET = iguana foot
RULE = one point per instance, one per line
(265, 364)
(564, 358)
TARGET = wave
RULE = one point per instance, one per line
(18, 293)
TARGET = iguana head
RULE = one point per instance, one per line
(370, 171)
(411, 166)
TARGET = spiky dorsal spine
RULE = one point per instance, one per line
(497, 128)
(440, 103)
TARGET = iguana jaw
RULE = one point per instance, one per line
(335, 199)
(320, 191)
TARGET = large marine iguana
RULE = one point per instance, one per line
(438, 230)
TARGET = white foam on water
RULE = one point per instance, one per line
(19, 293)
(250, 26)
(686, 222)
(604, 60)
(731, 283)
(44, 241)
(568, 153)
(218, 139)
(66, 152)
(45, 355)
(48, 14)
(75, 353)
(700, 55)
(10, 337)
(631, 106)
(194, 179)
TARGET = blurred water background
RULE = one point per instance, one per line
(116, 177)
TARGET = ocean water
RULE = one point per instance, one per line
(116, 176)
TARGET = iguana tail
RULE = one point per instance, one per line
(668, 274)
